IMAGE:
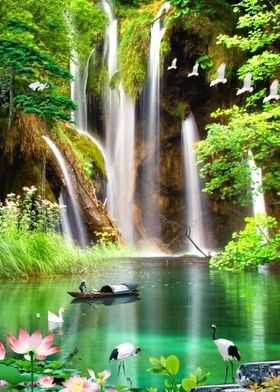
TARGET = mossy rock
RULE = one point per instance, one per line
(85, 152)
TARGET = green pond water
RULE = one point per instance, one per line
(178, 301)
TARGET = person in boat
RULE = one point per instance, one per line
(83, 287)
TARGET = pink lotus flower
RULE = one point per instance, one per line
(3, 383)
(2, 351)
(77, 383)
(46, 382)
(35, 343)
(101, 376)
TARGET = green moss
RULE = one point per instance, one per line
(89, 23)
(134, 49)
(87, 154)
(91, 156)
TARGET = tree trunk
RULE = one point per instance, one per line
(11, 104)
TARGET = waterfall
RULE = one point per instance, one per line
(78, 92)
(65, 221)
(194, 202)
(77, 222)
(258, 196)
(151, 168)
(112, 98)
(256, 185)
(120, 130)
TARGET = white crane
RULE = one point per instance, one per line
(38, 86)
(194, 71)
(123, 351)
(246, 84)
(173, 64)
(273, 90)
(220, 75)
(228, 351)
(53, 318)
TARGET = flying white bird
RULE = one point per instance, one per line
(194, 71)
(38, 86)
(123, 351)
(220, 75)
(246, 84)
(173, 64)
(42, 86)
(272, 92)
(53, 318)
(228, 351)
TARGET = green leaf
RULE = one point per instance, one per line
(163, 361)
(198, 372)
(12, 375)
(155, 361)
(187, 384)
(158, 371)
(172, 365)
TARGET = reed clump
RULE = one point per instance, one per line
(30, 245)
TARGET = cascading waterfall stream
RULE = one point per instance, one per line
(65, 221)
(194, 202)
(120, 129)
(73, 204)
(256, 185)
(78, 92)
(151, 169)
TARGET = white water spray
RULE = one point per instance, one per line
(257, 194)
(74, 204)
(151, 172)
(194, 204)
(78, 92)
(120, 129)
(65, 221)
(256, 185)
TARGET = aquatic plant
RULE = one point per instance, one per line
(54, 375)
(170, 367)
(32, 347)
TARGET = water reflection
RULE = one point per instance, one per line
(178, 301)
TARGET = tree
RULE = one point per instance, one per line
(253, 125)
(21, 65)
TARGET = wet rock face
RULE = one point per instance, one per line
(257, 372)
(247, 374)
(23, 154)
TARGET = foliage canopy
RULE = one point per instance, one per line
(253, 125)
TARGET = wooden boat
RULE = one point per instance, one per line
(107, 301)
(110, 290)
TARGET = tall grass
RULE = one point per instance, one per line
(30, 246)
(26, 254)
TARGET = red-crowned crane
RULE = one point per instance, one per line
(123, 351)
(228, 351)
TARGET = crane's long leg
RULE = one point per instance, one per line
(232, 372)
(123, 368)
(119, 368)
(226, 374)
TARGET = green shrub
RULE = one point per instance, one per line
(169, 367)
(250, 247)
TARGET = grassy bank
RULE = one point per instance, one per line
(26, 254)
